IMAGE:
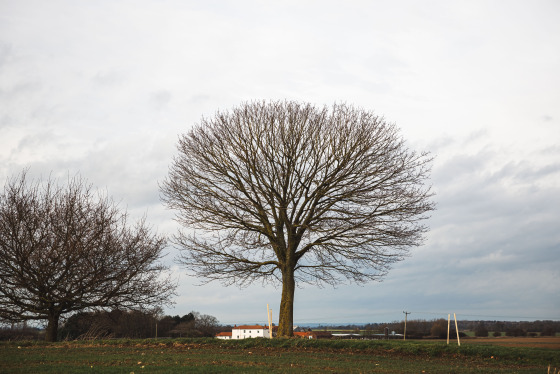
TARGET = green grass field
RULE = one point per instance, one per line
(271, 356)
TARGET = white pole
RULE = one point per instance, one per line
(457, 329)
(269, 315)
(271, 331)
(268, 319)
(448, 323)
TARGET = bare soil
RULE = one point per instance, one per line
(550, 342)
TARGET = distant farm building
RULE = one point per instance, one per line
(246, 331)
(261, 331)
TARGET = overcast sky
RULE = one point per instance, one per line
(104, 88)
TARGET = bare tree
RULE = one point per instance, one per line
(288, 192)
(66, 248)
(205, 324)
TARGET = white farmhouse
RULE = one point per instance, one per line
(246, 331)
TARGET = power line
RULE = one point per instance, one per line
(342, 319)
(540, 318)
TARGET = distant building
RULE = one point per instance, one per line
(246, 331)
(303, 334)
(258, 331)
(224, 335)
(313, 334)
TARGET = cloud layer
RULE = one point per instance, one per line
(104, 88)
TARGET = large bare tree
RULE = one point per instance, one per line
(289, 192)
(68, 248)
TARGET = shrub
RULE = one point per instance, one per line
(481, 330)
(548, 331)
(439, 329)
(516, 332)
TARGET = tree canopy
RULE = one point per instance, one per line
(288, 192)
(66, 248)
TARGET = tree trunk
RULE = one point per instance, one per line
(52, 328)
(286, 316)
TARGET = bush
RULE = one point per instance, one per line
(481, 331)
(20, 333)
(496, 334)
(516, 332)
(439, 329)
(548, 331)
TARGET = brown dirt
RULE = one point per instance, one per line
(549, 342)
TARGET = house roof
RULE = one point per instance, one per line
(225, 333)
(250, 327)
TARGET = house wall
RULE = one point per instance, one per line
(245, 333)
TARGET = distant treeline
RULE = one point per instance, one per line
(121, 324)
(437, 328)
(141, 325)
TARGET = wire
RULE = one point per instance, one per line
(339, 319)
(540, 318)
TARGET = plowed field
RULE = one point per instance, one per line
(540, 342)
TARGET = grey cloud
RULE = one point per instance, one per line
(441, 143)
(5, 121)
(460, 166)
(492, 226)
(160, 99)
(21, 89)
(525, 172)
(5, 53)
(553, 150)
(199, 99)
(476, 135)
(35, 141)
(109, 78)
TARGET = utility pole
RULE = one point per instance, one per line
(405, 315)
(457, 329)
(269, 315)
(448, 323)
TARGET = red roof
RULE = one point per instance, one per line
(224, 334)
(250, 327)
(302, 333)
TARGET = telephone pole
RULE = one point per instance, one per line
(405, 315)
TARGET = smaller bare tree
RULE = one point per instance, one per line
(205, 324)
(66, 248)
